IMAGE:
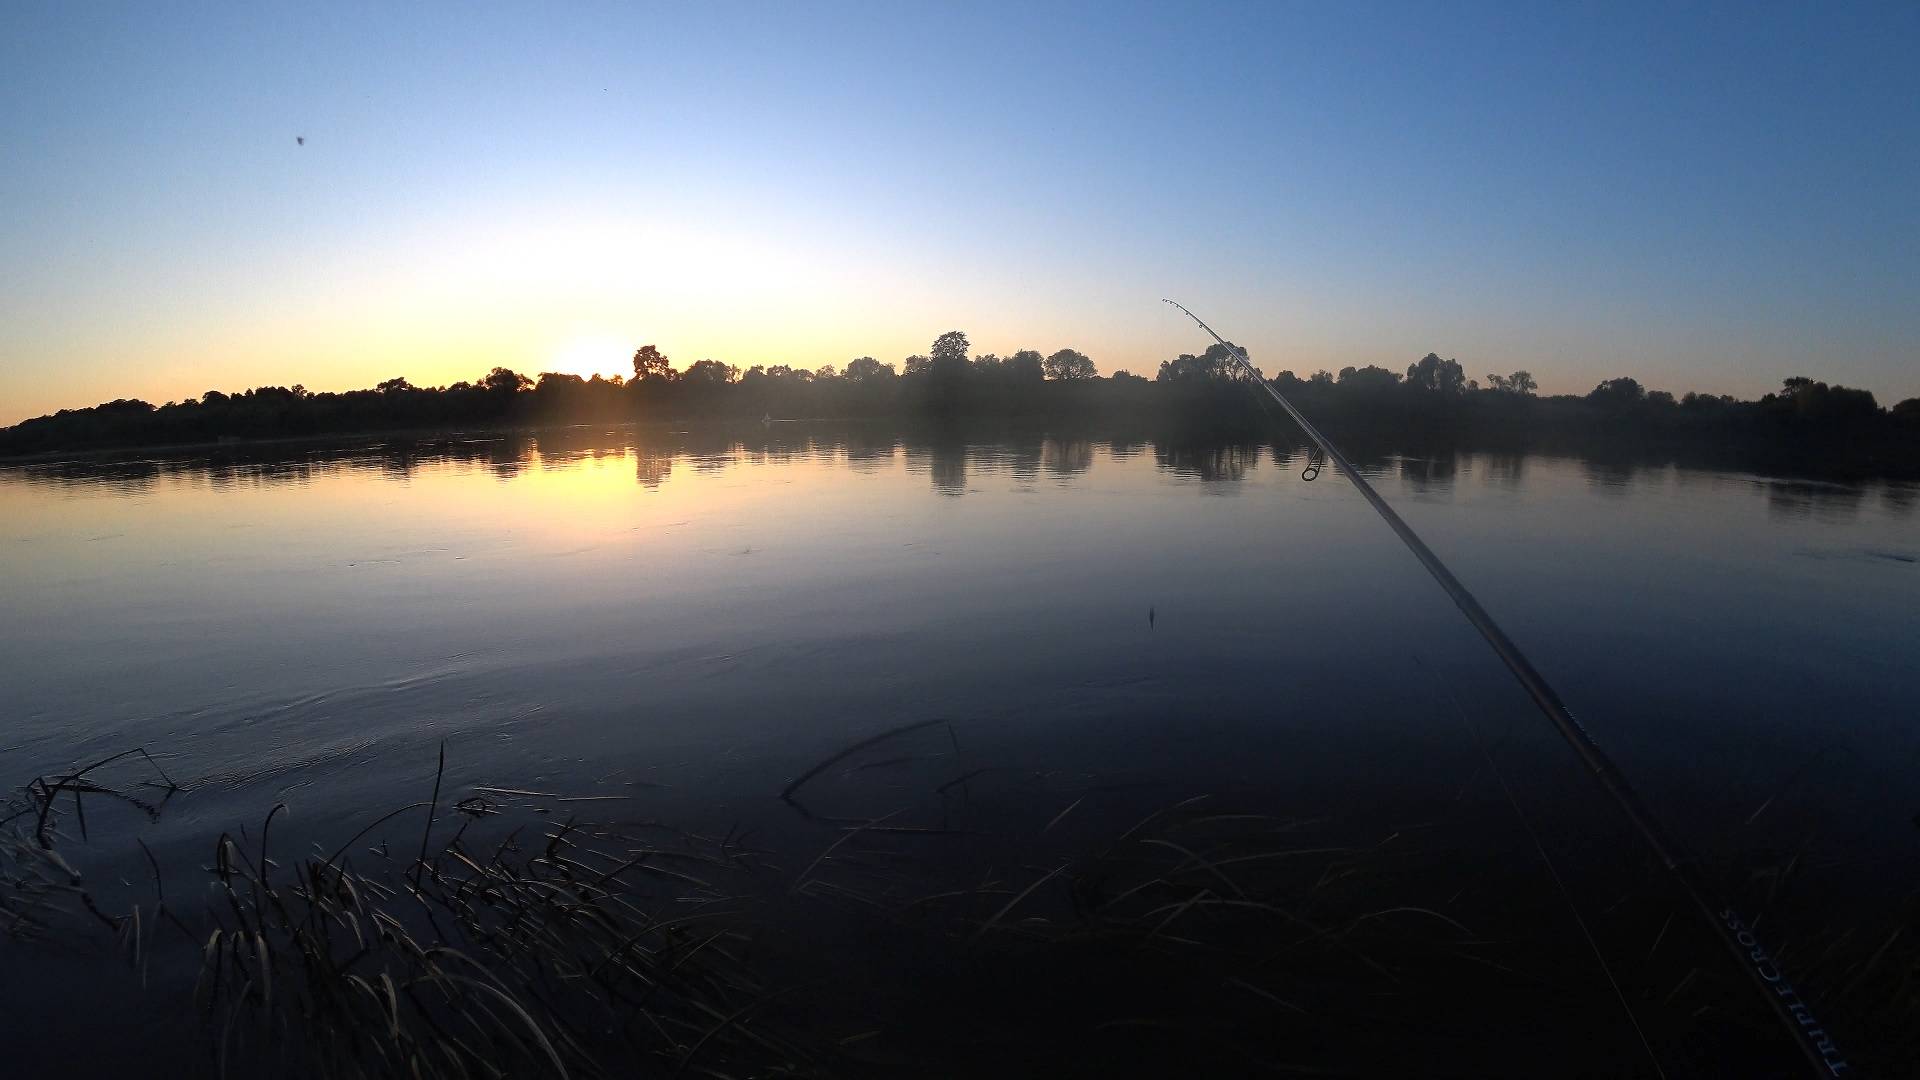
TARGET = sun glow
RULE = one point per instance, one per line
(602, 355)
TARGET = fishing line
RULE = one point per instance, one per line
(1793, 1011)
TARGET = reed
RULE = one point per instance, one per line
(1208, 936)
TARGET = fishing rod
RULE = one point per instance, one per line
(1765, 973)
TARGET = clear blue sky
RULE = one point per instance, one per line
(1702, 197)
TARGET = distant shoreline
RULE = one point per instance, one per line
(1685, 450)
(51, 457)
(54, 457)
(421, 434)
(1806, 427)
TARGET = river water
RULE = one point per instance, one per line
(695, 617)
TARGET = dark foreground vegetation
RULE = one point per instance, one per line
(1845, 428)
(490, 932)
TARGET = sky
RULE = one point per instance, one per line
(1704, 197)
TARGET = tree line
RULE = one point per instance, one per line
(1198, 392)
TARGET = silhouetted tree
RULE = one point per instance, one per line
(1437, 376)
(1617, 393)
(1025, 367)
(710, 373)
(506, 381)
(1068, 364)
(558, 381)
(1707, 403)
(1804, 401)
(1520, 382)
(650, 364)
(867, 369)
(1369, 379)
(1209, 365)
(948, 357)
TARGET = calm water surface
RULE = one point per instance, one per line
(699, 616)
